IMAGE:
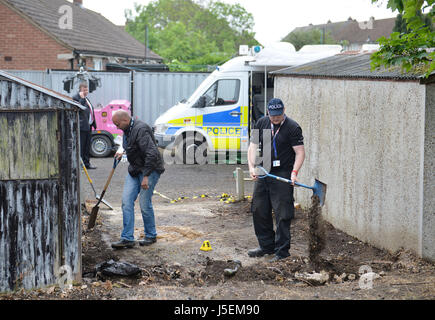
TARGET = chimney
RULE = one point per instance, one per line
(78, 3)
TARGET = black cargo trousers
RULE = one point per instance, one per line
(269, 194)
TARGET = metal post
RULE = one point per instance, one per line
(265, 90)
(132, 85)
(240, 184)
(146, 43)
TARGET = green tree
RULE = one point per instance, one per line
(313, 36)
(409, 50)
(238, 19)
(189, 35)
(400, 24)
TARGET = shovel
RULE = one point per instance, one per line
(92, 186)
(319, 188)
(95, 209)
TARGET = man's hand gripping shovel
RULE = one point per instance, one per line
(319, 188)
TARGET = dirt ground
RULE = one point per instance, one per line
(175, 267)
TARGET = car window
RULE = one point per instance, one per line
(223, 92)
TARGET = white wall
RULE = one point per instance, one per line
(365, 140)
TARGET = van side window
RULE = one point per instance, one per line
(223, 92)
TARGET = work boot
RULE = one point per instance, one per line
(258, 252)
(121, 244)
(276, 258)
(147, 241)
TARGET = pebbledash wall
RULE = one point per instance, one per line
(370, 137)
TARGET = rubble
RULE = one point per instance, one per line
(315, 279)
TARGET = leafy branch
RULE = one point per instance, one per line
(412, 51)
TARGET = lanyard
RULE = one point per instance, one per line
(131, 126)
(128, 132)
(274, 135)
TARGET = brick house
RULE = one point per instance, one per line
(351, 33)
(58, 34)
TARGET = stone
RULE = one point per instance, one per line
(316, 279)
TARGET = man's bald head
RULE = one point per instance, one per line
(121, 119)
(121, 114)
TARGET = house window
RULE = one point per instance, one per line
(98, 64)
(8, 58)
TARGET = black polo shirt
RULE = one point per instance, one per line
(288, 136)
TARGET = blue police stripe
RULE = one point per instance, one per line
(221, 118)
(172, 130)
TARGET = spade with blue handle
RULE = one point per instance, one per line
(319, 188)
(94, 211)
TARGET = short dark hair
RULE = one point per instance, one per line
(83, 84)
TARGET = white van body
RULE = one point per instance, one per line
(221, 112)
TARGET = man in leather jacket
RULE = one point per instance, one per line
(144, 170)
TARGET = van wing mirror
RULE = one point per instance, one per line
(200, 103)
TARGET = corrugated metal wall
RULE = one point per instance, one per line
(40, 226)
(153, 92)
(41, 78)
(114, 85)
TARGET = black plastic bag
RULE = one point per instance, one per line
(121, 268)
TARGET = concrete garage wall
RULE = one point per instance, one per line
(429, 176)
(366, 141)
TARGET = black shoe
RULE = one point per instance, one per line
(147, 241)
(276, 258)
(258, 252)
(123, 244)
(90, 167)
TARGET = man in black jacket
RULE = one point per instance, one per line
(87, 122)
(144, 170)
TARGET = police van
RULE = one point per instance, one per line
(219, 115)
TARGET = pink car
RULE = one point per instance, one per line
(104, 140)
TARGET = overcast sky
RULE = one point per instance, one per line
(274, 19)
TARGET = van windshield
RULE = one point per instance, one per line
(223, 92)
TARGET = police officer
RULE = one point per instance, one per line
(282, 151)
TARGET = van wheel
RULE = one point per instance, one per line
(101, 146)
(192, 149)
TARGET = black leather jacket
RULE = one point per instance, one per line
(141, 149)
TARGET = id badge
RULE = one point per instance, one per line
(276, 163)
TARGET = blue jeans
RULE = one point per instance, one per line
(132, 188)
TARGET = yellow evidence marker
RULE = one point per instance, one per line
(206, 246)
